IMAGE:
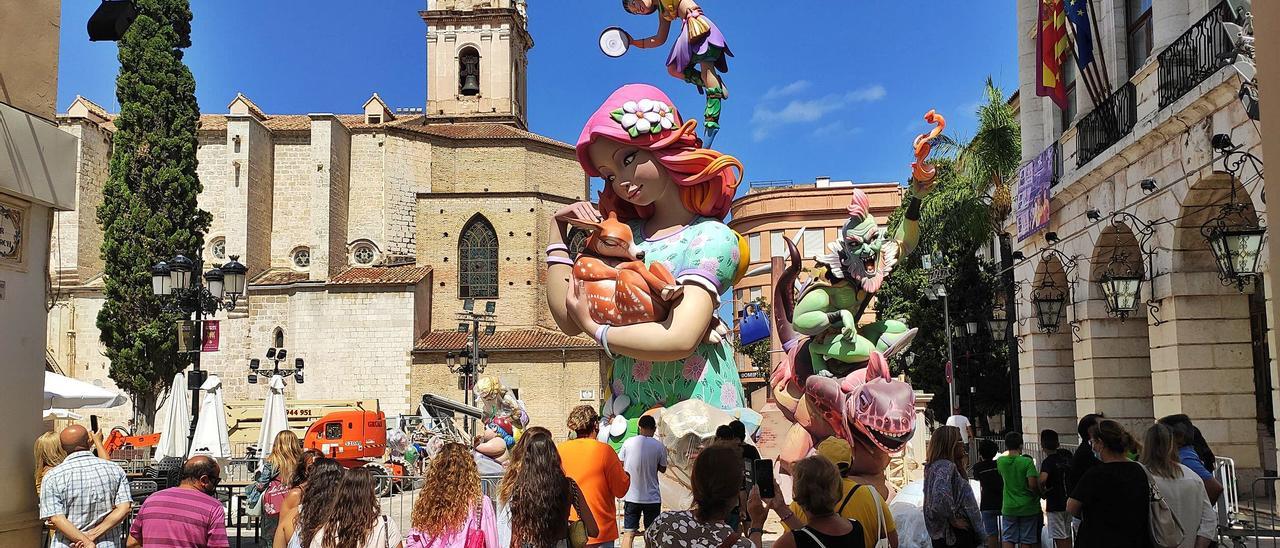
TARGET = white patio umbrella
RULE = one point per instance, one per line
(52, 414)
(177, 422)
(274, 419)
(67, 393)
(211, 426)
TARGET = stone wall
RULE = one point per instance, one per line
(295, 175)
(77, 237)
(550, 382)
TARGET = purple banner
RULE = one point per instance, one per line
(1032, 209)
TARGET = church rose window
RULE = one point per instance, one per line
(302, 257)
(219, 248)
(478, 260)
(364, 254)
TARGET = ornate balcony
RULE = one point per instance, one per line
(1197, 54)
(1107, 124)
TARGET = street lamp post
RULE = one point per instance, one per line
(194, 295)
(937, 288)
(471, 361)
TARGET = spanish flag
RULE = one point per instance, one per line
(1051, 50)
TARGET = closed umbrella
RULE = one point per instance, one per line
(211, 426)
(177, 422)
(67, 393)
(274, 419)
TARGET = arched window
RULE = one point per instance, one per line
(478, 260)
(469, 71)
(277, 338)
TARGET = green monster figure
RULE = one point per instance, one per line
(827, 311)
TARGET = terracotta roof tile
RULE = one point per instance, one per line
(279, 276)
(285, 122)
(472, 131)
(382, 275)
(518, 339)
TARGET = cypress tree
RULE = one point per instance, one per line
(149, 211)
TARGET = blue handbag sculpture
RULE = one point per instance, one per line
(754, 325)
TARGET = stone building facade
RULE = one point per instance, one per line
(353, 227)
(1136, 178)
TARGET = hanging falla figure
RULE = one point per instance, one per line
(699, 55)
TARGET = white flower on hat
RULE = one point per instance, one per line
(645, 116)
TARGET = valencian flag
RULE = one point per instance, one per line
(1051, 48)
(1078, 14)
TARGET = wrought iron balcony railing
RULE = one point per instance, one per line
(1197, 54)
(1107, 124)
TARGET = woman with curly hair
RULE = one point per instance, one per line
(352, 520)
(451, 506)
(534, 496)
(317, 493)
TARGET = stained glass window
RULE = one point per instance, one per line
(478, 260)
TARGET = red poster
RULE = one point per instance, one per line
(209, 336)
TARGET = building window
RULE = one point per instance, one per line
(301, 257)
(1069, 77)
(364, 254)
(776, 247)
(577, 241)
(478, 260)
(277, 338)
(756, 293)
(753, 245)
(373, 119)
(1138, 21)
(469, 71)
(218, 248)
(814, 244)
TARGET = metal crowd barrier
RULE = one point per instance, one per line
(1255, 525)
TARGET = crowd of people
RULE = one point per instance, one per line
(1099, 496)
(563, 495)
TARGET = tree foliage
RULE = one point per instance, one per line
(958, 219)
(149, 210)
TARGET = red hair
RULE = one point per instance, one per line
(707, 178)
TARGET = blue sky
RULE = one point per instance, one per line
(837, 91)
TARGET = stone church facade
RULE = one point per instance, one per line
(354, 228)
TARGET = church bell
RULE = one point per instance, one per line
(470, 85)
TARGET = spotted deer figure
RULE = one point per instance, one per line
(611, 274)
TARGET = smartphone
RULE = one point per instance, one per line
(93, 423)
(762, 472)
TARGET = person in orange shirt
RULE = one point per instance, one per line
(597, 470)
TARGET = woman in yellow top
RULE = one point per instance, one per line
(857, 502)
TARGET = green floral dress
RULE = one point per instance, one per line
(704, 253)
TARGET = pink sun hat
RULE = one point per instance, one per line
(639, 114)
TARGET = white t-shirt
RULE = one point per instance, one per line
(641, 456)
(961, 422)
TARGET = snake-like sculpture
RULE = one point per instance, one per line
(835, 380)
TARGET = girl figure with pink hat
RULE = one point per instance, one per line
(673, 195)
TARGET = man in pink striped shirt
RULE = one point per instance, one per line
(186, 516)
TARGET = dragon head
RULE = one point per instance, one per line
(881, 409)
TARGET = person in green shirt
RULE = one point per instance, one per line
(1020, 519)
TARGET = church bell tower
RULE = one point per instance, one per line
(477, 62)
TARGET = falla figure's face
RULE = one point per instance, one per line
(634, 174)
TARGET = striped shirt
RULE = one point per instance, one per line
(84, 489)
(178, 517)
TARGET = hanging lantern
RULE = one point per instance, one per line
(1121, 292)
(1048, 301)
(1236, 244)
(998, 323)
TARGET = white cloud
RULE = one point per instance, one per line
(767, 118)
(783, 91)
(837, 128)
